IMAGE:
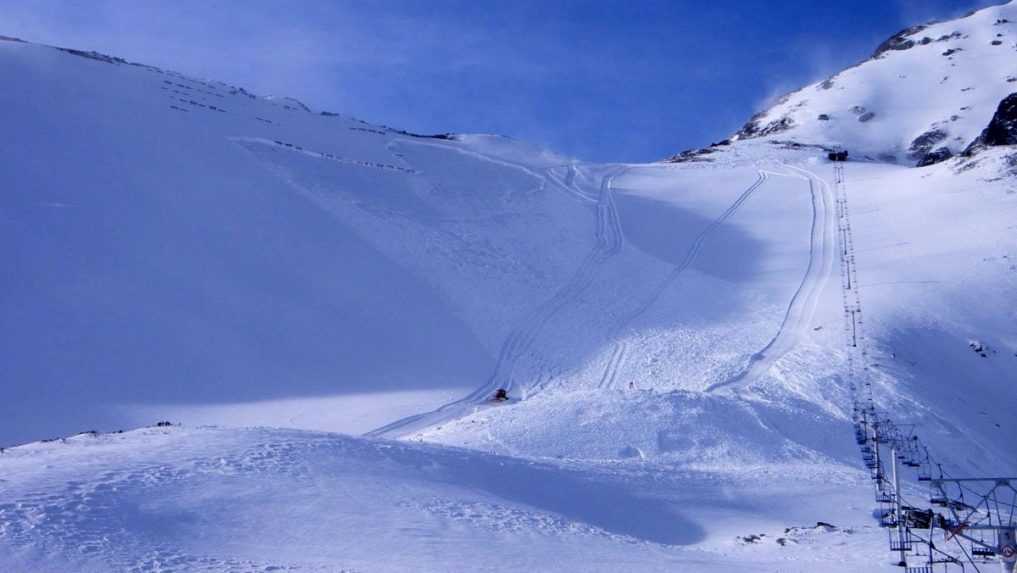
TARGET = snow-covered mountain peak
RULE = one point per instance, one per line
(925, 94)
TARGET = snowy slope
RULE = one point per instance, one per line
(928, 87)
(239, 260)
(673, 335)
(934, 251)
(175, 242)
(278, 500)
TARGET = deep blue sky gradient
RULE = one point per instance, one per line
(608, 81)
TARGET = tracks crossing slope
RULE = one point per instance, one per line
(802, 307)
(608, 242)
(615, 363)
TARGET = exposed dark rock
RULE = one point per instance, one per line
(948, 37)
(933, 157)
(867, 116)
(790, 144)
(967, 165)
(996, 42)
(291, 103)
(952, 51)
(243, 92)
(1002, 21)
(11, 39)
(751, 127)
(94, 56)
(898, 41)
(925, 41)
(980, 348)
(858, 110)
(924, 143)
(690, 155)
(826, 84)
(1002, 129)
(698, 154)
(823, 117)
(1011, 79)
(446, 136)
(754, 129)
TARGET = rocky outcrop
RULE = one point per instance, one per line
(698, 154)
(92, 55)
(933, 157)
(899, 41)
(754, 129)
(1002, 129)
(924, 143)
(691, 155)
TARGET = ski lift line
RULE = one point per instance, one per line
(1000, 481)
(961, 481)
(965, 517)
(890, 432)
(967, 522)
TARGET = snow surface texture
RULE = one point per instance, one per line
(672, 335)
(931, 87)
(172, 499)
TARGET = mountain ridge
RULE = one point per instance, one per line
(877, 110)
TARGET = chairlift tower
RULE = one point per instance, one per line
(982, 511)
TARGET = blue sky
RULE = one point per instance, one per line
(609, 81)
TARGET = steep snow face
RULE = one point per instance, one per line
(928, 88)
(180, 248)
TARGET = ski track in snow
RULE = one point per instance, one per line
(804, 302)
(618, 355)
(609, 241)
